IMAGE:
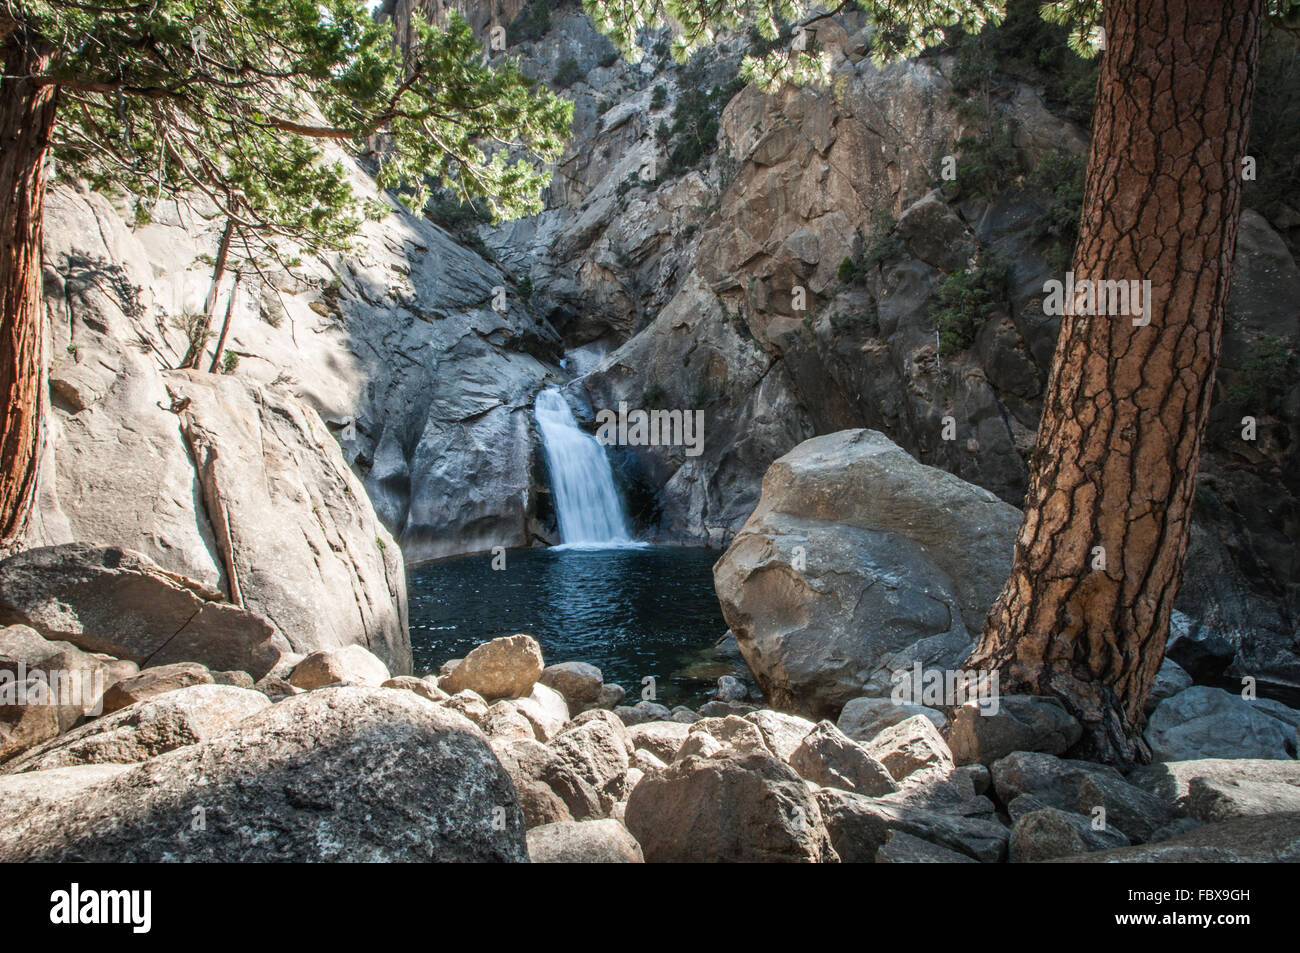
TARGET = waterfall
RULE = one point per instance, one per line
(586, 502)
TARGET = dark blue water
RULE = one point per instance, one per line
(632, 612)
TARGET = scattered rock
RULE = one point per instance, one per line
(583, 842)
(864, 718)
(721, 709)
(733, 732)
(1171, 679)
(1044, 836)
(237, 679)
(610, 696)
(1269, 839)
(731, 689)
(144, 730)
(504, 720)
(1021, 723)
(352, 664)
(912, 750)
(1218, 789)
(589, 771)
(525, 761)
(1204, 722)
(421, 686)
(903, 848)
(579, 683)
(545, 709)
(660, 738)
(154, 681)
(506, 667)
(859, 826)
(684, 715)
(783, 733)
(340, 774)
(1079, 787)
(468, 703)
(826, 756)
(733, 807)
(642, 712)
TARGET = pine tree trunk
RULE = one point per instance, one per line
(199, 335)
(1126, 406)
(27, 114)
(225, 326)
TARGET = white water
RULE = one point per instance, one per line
(586, 502)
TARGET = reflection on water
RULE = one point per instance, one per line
(632, 612)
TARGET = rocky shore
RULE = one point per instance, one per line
(501, 757)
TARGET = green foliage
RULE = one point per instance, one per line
(532, 23)
(1033, 50)
(1262, 379)
(659, 97)
(229, 362)
(693, 135)
(966, 299)
(231, 100)
(987, 163)
(525, 288)
(567, 73)
(883, 246)
(1061, 175)
(653, 396)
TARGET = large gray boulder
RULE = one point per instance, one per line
(105, 599)
(1216, 789)
(1021, 723)
(1205, 722)
(859, 562)
(859, 826)
(731, 807)
(1267, 839)
(339, 774)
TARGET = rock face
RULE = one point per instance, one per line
(858, 563)
(732, 807)
(342, 774)
(105, 599)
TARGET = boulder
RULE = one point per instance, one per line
(236, 679)
(106, 599)
(1171, 679)
(504, 720)
(857, 563)
(642, 712)
(732, 732)
(1080, 787)
(912, 750)
(589, 770)
(545, 709)
(731, 689)
(859, 826)
(721, 709)
(1039, 832)
(1205, 722)
(1021, 723)
(732, 807)
(783, 733)
(1218, 789)
(1268, 839)
(146, 729)
(583, 842)
(506, 667)
(827, 757)
(903, 848)
(579, 683)
(956, 794)
(660, 738)
(421, 686)
(341, 774)
(684, 715)
(610, 696)
(700, 744)
(525, 761)
(352, 664)
(47, 687)
(469, 704)
(154, 680)
(864, 718)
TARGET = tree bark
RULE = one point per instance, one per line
(225, 326)
(199, 336)
(27, 113)
(1126, 406)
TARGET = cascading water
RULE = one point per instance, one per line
(587, 504)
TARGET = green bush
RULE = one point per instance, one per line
(568, 73)
(659, 97)
(987, 163)
(967, 298)
(1062, 176)
(1261, 380)
(525, 288)
(693, 135)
